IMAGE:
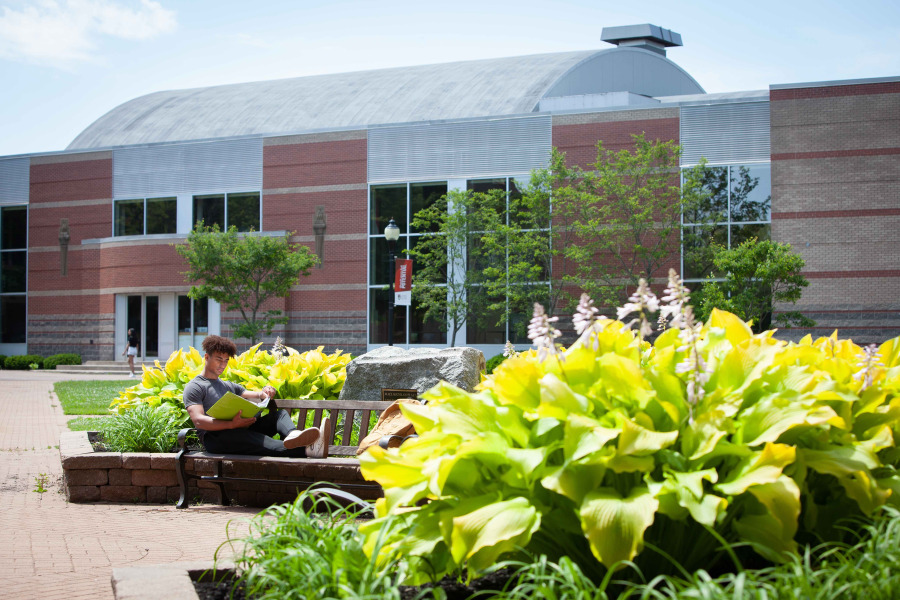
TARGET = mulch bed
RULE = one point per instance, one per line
(455, 590)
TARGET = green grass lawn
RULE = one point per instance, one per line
(86, 423)
(88, 397)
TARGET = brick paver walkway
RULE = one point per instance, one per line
(51, 549)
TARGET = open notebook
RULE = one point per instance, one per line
(231, 404)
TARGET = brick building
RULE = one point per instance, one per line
(87, 234)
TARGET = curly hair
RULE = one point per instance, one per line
(217, 343)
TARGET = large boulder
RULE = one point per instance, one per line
(419, 369)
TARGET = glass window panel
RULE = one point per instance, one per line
(151, 343)
(379, 259)
(184, 315)
(129, 217)
(482, 326)
(162, 215)
(423, 195)
(210, 209)
(425, 332)
(714, 208)
(432, 246)
(378, 319)
(742, 233)
(12, 319)
(751, 193)
(14, 220)
(388, 201)
(486, 185)
(698, 251)
(13, 272)
(201, 315)
(243, 211)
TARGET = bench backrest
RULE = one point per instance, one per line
(343, 414)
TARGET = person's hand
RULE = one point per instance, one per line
(269, 391)
(240, 422)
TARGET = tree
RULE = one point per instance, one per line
(617, 221)
(757, 275)
(243, 271)
(452, 256)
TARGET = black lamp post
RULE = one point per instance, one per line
(391, 234)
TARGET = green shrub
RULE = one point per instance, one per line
(493, 363)
(711, 434)
(62, 359)
(2, 361)
(311, 548)
(144, 429)
(23, 361)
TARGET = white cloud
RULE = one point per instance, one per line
(50, 31)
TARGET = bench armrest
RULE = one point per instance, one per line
(182, 437)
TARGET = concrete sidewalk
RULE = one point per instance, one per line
(51, 549)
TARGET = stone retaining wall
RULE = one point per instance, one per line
(141, 477)
(91, 476)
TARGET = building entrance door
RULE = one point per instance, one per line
(143, 316)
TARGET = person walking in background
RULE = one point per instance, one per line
(131, 349)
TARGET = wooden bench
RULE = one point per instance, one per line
(342, 474)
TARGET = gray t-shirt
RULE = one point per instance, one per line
(206, 392)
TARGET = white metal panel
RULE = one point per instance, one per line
(147, 171)
(168, 324)
(474, 148)
(725, 133)
(14, 180)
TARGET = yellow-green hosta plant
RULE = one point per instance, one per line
(312, 374)
(710, 434)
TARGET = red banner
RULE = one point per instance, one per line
(403, 276)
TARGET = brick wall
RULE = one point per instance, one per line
(301, 173)
(69, 312)
(836, 200)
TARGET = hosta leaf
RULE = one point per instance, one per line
(772, 532)
(557, 399)
(491, 529)
(687, 492)
(516, 382)
(736, 330)
(638, 440)
(757, 469)
(615, 526)
(585, 436)
(772, 415)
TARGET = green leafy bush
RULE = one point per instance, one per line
(23, 361)
(311, 548)
(312, 374)
(493, 362)
(2, 361)
(62, 359)
(711, 434)
(144, 429)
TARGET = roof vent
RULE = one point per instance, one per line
(646, 36)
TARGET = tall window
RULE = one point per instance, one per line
(193, 321)
(145, 216)
(400, 202)
(738, 208)
(241, 210)
(13, 273)
(484, 328)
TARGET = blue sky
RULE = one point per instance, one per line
(64, 63)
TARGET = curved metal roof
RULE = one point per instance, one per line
(492, 87)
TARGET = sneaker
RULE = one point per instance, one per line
(298, 438)
(319, 448)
